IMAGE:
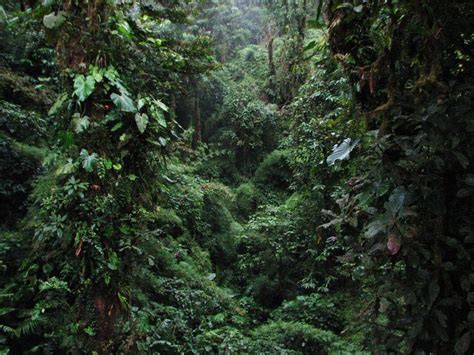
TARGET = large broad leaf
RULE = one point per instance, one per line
(123, 102)
(97, 73)
(395, 201)
(376, 227)
(161, 105)
(79, 123)
(142, 121)
(83, 86)
(113, 262)
(341, 151)
(88, 160)
(53, 19)
(160, 118)
(111, 74)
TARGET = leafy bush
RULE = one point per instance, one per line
(16, 175)
(219, 237)
(273, 254)
(274, 172)
(317, 310)
(246, 200)
(294, 336)
(21, 124)
(219, 165)
(228, 340)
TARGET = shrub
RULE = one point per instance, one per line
(16, 174)
(218, 238)
(215, 210)
(296, 336)
(274, 171)
(315, 309)
(227, 340)
(219, 165)
(169, 222)
(21, 124)
(245, 200)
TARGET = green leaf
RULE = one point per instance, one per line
(463, 343)
(89, 331)
(442, 318)
(155, 41)
(141, 103)
(108, 164)
(341, 151)
(116, 127)
(319, 10)
(346, 5)
(123, 102)
(469, 180)
(395, 201)
(58, 104)
(83, 86)
(6, 310)
(376, 227)
(141, 120)
(111, 74)
(124, 28)
(310, 45)
(65, 169)
(161, 105)
(88, 160)
(123, 301)
(54, 19)
(162, 141)
(124, 137)
(66, 138)
(3, 15)
(160, 118)
(113, 262)
(97, 73)
(462, 159)
(80, 124)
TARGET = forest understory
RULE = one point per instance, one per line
(236, 177)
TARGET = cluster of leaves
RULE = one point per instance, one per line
(82, 286)
(405, 214)
(244, 125)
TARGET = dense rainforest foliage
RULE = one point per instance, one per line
(223, 176)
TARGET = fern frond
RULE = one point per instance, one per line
(28, 326)
(6, 310)
(8, 330)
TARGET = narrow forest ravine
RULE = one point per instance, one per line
(236, 177)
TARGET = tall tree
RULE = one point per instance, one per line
(411, 64)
